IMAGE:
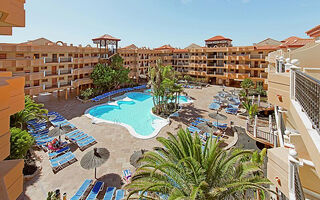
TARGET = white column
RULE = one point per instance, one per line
(259, 101)
(255, 126)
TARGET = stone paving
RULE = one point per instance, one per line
(115, 138)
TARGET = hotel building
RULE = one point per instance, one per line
(218, 63)
(12, 14)
(49, 66)
(293, 164)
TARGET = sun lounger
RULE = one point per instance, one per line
(222, 126)
(109, 195)
(80, 136)
(75, 135)
(119, 195)
(82, 190)
(72, 132)
(201, 119)
(83, 144)
(95, 191)
(194, 129)
(57, 153)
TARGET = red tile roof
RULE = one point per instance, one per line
(295, 42)
(314, 32)
(218, 38)
(106, 37)
(165, 47)
(132, 46)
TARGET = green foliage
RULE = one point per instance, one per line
(20, 143)
(252, 109)
(260, 89)
(51, 196)
(247, 84)
(31, 111)
(185, 169)
(86, 94)
(107, 77)
(187, 78)
(164, 88)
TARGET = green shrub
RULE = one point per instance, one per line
(21, 141)
(87, 93)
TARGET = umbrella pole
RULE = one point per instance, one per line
(95, 173)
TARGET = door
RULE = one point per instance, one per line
(54, 69)
(54, 82)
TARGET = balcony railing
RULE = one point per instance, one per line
(307, 93)
(65, 59)
(259, 56)
(51, 60)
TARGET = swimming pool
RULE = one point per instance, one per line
(133, 111)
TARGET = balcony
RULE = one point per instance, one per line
(51, 60)
(33, 90)
(78, 82)
(307, 93)
(257, 56)
(215, 56)
(238, 66)
(84, 70)
(64, 71)
(239, 57)
(63, 60)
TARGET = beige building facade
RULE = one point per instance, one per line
(294, 89)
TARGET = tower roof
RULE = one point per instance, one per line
(106, 37)
(218, 38)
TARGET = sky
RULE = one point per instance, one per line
(153, 23)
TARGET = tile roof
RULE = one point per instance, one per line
(132, 46)
(218, 38)
(314, 32)
(106, 37)
(295, 42)
(164, 47)
(180, 51)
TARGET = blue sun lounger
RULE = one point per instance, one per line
(119, 195)
(95, 190)
(57, 153)
(109, 193)
(72, 132)
(84, 187)
(83, 144)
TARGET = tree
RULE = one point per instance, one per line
(86, 94)
(32, 110)
(106, 77)
(260, 89)
(252, 109)
(165, 89)
(20, 143)
(247, 84)
(184, 168)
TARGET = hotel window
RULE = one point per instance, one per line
(44, 80)
(36, 56)
(61, 67)
(36, 82)
(69, 55)
(3, 56)
(20, 69)
(36, 69)
(19, 55)
(2, 70)
(44, 68)
(61, 54)
(61, 78)
(76, 55)
(44, 55)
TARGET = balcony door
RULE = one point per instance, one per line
(54, 70)
(54, 58)
(54, 82)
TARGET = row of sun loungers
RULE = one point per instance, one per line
(90, 190)
(109, 94)
(62, 161)
(76, 136)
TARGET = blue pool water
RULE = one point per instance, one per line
(136, 113)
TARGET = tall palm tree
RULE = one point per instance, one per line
(32, 110)
(185, 168)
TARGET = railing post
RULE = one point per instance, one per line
(259, 100)
(59, 71)
(292, 84)
(255, 126)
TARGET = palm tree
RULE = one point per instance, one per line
(32, 110)
(252, 109)
(185, 168)
(247, 84)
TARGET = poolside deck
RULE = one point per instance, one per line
(113, 137)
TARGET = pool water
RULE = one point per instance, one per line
(134, 112)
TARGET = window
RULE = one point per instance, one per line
(2, 70)
(20, 69)
(61, 67)
(61, 54)
(43, 68)
(36, 82)
(36, 56)
(44, 55)
(19, 55)
(44, 80)
(3, 56)
(61, 78)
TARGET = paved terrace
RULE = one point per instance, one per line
(115, 138)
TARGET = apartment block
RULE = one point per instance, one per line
(12, 14)
(49, 66)
(11, 101)
(293, 164)
(219, 62)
